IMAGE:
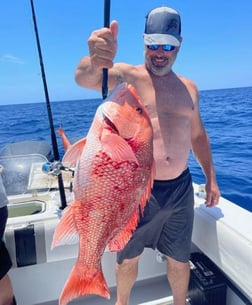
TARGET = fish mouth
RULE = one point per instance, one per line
(112, 128)
(110, 124)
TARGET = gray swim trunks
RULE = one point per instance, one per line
(5, 260)
(167, 221)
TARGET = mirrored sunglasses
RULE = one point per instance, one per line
(165, 47)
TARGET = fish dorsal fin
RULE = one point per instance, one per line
(117, 148)
(65, 140)
(73, 153)
(122, 238)
(147, 193)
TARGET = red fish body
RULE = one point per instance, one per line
(113, 178)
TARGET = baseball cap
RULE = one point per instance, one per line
(162, 26)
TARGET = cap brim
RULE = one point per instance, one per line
(150, 39)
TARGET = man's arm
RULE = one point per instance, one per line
(102, 50)
(202, 151)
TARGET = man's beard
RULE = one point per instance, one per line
(159, 66)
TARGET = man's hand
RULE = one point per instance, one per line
(212, 194)
(103, 46)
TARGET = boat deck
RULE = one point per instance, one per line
(142, 292)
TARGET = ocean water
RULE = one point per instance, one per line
(226, 114)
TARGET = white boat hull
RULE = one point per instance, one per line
(218, 232)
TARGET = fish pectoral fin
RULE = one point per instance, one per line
(74, 152)
(65, 232)
(117, 148)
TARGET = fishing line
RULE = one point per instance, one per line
(49, 111)
(105, 71)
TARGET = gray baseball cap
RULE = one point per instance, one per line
(162, 26)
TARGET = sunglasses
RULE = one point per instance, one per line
(165, 47)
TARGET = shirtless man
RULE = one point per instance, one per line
(173, 105)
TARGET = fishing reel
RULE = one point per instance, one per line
(55, 168)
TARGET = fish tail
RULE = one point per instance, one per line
(82, 282)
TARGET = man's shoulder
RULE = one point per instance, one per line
(190, 84)
(190, 87)
(187, 82)
(126, 68)
(128, 72)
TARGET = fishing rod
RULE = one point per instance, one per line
(105, 71)
(49, 111)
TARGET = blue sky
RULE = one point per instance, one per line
(216, 50)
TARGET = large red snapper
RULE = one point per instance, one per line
(113, 178)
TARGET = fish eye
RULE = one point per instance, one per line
(139, 109)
